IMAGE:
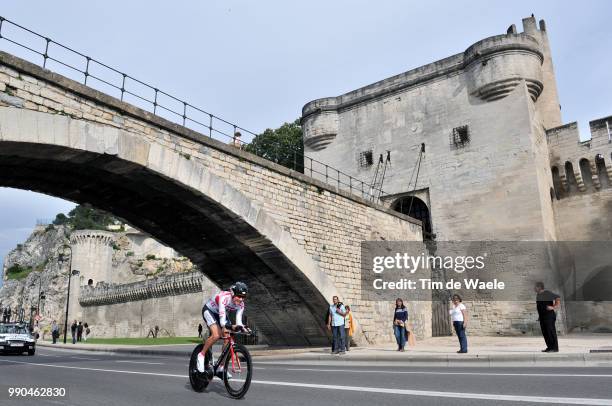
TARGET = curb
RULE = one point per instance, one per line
(533, 359)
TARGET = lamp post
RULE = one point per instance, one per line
(63, 252)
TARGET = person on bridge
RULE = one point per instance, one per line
(214, 313)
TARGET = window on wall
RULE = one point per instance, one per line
(585, 172)
(460, 137)
(366, 158)
(602, 172)
(572, 185)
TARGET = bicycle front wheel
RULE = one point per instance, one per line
(237, 372)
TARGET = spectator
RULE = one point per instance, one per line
(400, 317)
(200, 330)
(335, 323)
(73, 331)
(86, 332)
(459, 317)
(36, 331)
(547, 302)
(349, 327)
(80, 331)
(55, 331)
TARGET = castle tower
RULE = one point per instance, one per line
(548, 103)
(482, 115)
(92, 256)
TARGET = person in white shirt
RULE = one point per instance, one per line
(458, 313)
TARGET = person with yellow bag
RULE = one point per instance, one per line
(349, 327)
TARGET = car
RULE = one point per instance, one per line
(16, 338)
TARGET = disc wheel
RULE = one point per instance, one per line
(241, 370)
(198, 380)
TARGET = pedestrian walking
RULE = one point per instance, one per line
(458, 313)
(55, 331)
(200, 330)
(335, 323)
(349, 327)
(73, 331)
(80, 331)
(547, 303)
(400, 317)
(86, 332)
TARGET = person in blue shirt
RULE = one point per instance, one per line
(399, 323)
(335, 323)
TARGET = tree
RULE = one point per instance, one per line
(283, 145)
(85, 217)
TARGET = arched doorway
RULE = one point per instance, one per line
(416, 208)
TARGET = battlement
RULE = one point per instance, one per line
(92, 236)
(172, 285)
(581, 166)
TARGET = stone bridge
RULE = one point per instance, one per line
(293, 239)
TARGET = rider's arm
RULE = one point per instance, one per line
(239, 316)
(222, 313)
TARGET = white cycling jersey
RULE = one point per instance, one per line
(221, 302)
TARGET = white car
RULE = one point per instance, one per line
(16, 338)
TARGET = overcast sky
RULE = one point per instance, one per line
(258, 62)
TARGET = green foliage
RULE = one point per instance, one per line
(18, 272)
(85, 217)
(61, 219)
(150, 257)
(283, 145)
(50, 227)
(129, 254)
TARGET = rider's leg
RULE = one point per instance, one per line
(215, 334)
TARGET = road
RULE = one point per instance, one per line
(108, 379)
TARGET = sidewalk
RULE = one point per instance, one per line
(577, 350)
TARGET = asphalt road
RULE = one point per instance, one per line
(107, 379)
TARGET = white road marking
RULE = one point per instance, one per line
(543, 375)
(456, 395)
(142, 362)
(85, 358)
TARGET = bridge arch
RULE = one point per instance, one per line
(230, 236)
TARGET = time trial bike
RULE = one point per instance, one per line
(236, 362)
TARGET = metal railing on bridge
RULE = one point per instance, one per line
(75, 65)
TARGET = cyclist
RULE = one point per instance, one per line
(214, 313)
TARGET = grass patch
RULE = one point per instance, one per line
(145, 341)
(18, 272)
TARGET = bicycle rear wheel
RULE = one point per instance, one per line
(197, 379)
(240, 367)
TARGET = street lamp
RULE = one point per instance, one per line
(72, 273)
(63, 252)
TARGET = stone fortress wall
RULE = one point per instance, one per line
(490, 122)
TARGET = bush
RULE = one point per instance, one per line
(151, 256)
(129, 254)
(18, 272)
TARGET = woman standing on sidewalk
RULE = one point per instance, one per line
(349, 327)
(458, 314)
(399, 323)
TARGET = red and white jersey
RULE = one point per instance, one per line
(221, 303)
